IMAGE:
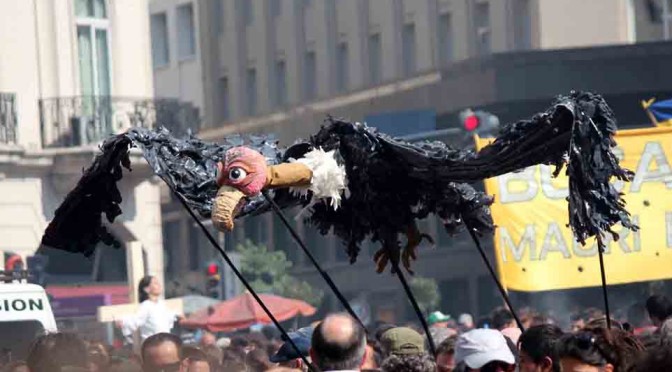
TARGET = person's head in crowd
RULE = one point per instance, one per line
(577, 321)
(659, 308)
(161, 352)
(207, 339)
(58, 351)
(537, 347)
(445, 354)
(149, 288)
(539, 319)
(240, 344)
(16, 366)
(287, 356)
(484, 350)
(598, 350)
(438, 319)
(257, 360)
(257, 340)
(441, 334)
(194, 360)
(214, 355)
(502, 318)
(465, 322)
(338, 343)
(656, 359)
(402, 341)
(602, 323)
(98, 357)
(382, 328)
(593, 313)
(408, 363)
(233, 360)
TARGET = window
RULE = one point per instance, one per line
(171, 245)
(374, 59)
(90, 9)
(186, 38)
(522, 23)
(248, 12)
(342, 67)
(276, 8)
(159, 29)
(251, 91)
(218, 15)
(280, 97)
(445, 39)
(310, 76)
(408, 47)
(223, 113)
(482, 27)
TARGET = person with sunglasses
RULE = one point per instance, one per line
(484, 350)
(598, 350)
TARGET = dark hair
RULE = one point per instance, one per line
(657, 359)
(659, 307)
(500, 318)
(144, 283)
(447, 346)
(57, 350)
(408, 363)
(160, 338)
(539, 342)
(336, 354)
(214, 355)
(599, 346)
(257, 360)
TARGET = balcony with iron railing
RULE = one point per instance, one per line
(8, 119)
(86, 120)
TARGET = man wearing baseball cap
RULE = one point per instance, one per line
(484, 350)
(287, 356)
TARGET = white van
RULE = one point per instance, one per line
(25, 313)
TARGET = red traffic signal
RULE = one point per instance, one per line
(212, 269)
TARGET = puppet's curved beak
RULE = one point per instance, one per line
(225, 207)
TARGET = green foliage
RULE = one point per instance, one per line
(426, 292)
(267, 272)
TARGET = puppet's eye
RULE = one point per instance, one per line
(237, 174)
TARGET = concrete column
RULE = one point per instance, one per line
(135, 267)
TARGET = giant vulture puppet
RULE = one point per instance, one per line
(359, 183)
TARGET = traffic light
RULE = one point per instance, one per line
(14, 263)
(481, 122)
(37, 267)
(213, 282)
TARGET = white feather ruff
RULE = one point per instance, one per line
(329, 180)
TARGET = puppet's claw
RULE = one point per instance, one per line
(410, 252)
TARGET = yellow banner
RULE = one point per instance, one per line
(536, 251)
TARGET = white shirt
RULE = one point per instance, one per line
(151, 318)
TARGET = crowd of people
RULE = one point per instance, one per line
(339, 343)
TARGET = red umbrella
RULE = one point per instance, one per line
(243, 311)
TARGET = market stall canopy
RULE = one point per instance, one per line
(243, 311)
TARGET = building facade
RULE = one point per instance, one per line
(280, 66)
(73, 72)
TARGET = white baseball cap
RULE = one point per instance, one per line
(481, 346)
